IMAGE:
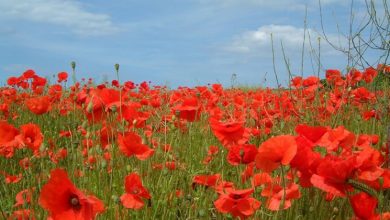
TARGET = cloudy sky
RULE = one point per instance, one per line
(173, 42)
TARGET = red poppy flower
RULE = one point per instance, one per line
(213, 150)
(337, 137)
(367, 115)
(277, 195)
(311, 133)
(115, 83)
(129, 85)
(354, 76)
(369, 74)
(261, 179)
(224, 186)
(7, 133)
(12, 81)
(206, 180)
(306, 160)
(107, 136)
(229, 133)
(242, 154)
(11, 178)
(369, 161)
(39, 105)
(38, 82)
(28, 74)
(238, 203)
(23, 197)
(62, 76)
(332, 174)
(131, 144)
(64, 201)
(276, 151)
(363, 205)
(7, 139)
(333, 77)
(135, 191)
(296, 82)
(189, 110)
(311, 83)
(362, 95)
(31, 135)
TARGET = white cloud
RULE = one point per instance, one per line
(291, 37)
(66, 13)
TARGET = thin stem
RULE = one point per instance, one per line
(273, 61)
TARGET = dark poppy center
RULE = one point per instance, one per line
(74, 202)
(135, 191)
(236, 196)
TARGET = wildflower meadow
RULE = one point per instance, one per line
(75, 149)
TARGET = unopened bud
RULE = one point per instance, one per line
(104, 164)
(84, 124)
(115, 198)
(90, 107)
(42, 148)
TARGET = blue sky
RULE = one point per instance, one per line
(172, 42)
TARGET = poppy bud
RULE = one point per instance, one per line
(42, 148)
(84, 124)
(128, 168)
(116, 67)
(98, 149)
(73, 65)
(115, 198)
(381, 181)
(104, 163)
(90, 107)
(113, 108)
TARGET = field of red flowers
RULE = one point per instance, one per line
(318, 149)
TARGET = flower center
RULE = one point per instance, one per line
(236, 196)
(74, 202)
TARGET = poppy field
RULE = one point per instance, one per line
(318, 149)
